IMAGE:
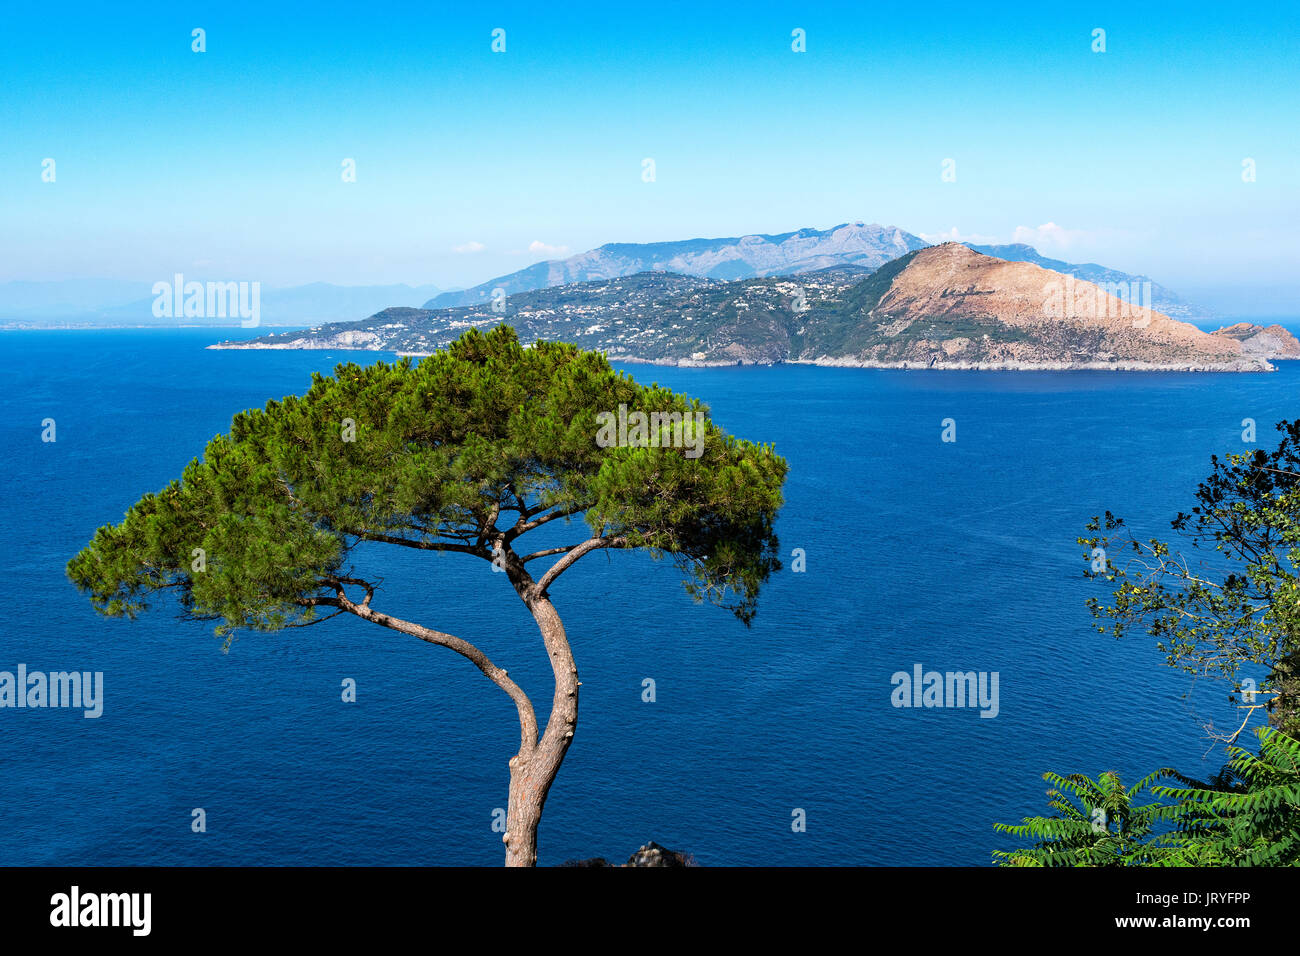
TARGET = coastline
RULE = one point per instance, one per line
(1243, 366)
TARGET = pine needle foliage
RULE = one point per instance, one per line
(476, 444)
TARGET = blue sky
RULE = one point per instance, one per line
(227, 163)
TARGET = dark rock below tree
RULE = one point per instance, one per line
(652, 854)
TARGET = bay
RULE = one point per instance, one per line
(956, 556)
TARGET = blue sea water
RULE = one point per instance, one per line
(957, 556)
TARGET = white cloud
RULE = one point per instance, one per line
(1049, 234)
(539, 248)
(470, 247)
(955, 235)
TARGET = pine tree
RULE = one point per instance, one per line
(283, 521)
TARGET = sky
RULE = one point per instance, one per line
(469, 163)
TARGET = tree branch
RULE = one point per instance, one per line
(522, 527)
(498, 676)
(422, 545)
(562, 565)
(547, 553)
(319, 620)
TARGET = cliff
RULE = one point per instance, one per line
(1273, 342)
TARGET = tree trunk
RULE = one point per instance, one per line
(529, 784)
(532, 773)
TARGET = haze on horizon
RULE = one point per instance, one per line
(470, 164)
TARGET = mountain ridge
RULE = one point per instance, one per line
(944, 306)
(729, 258)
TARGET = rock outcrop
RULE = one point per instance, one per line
(652, 854)
(1272, 342)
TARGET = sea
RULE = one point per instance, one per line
(774, 744)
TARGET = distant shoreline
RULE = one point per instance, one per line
(1244, 367)
(825, 361)
(10, 327)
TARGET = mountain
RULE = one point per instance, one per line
(792, 253)
(1139, 290)
(69, 297)
(109, 302)
(626, 303)
(950, 306)
(1273, 342)
(944, 306)
(740, 257)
